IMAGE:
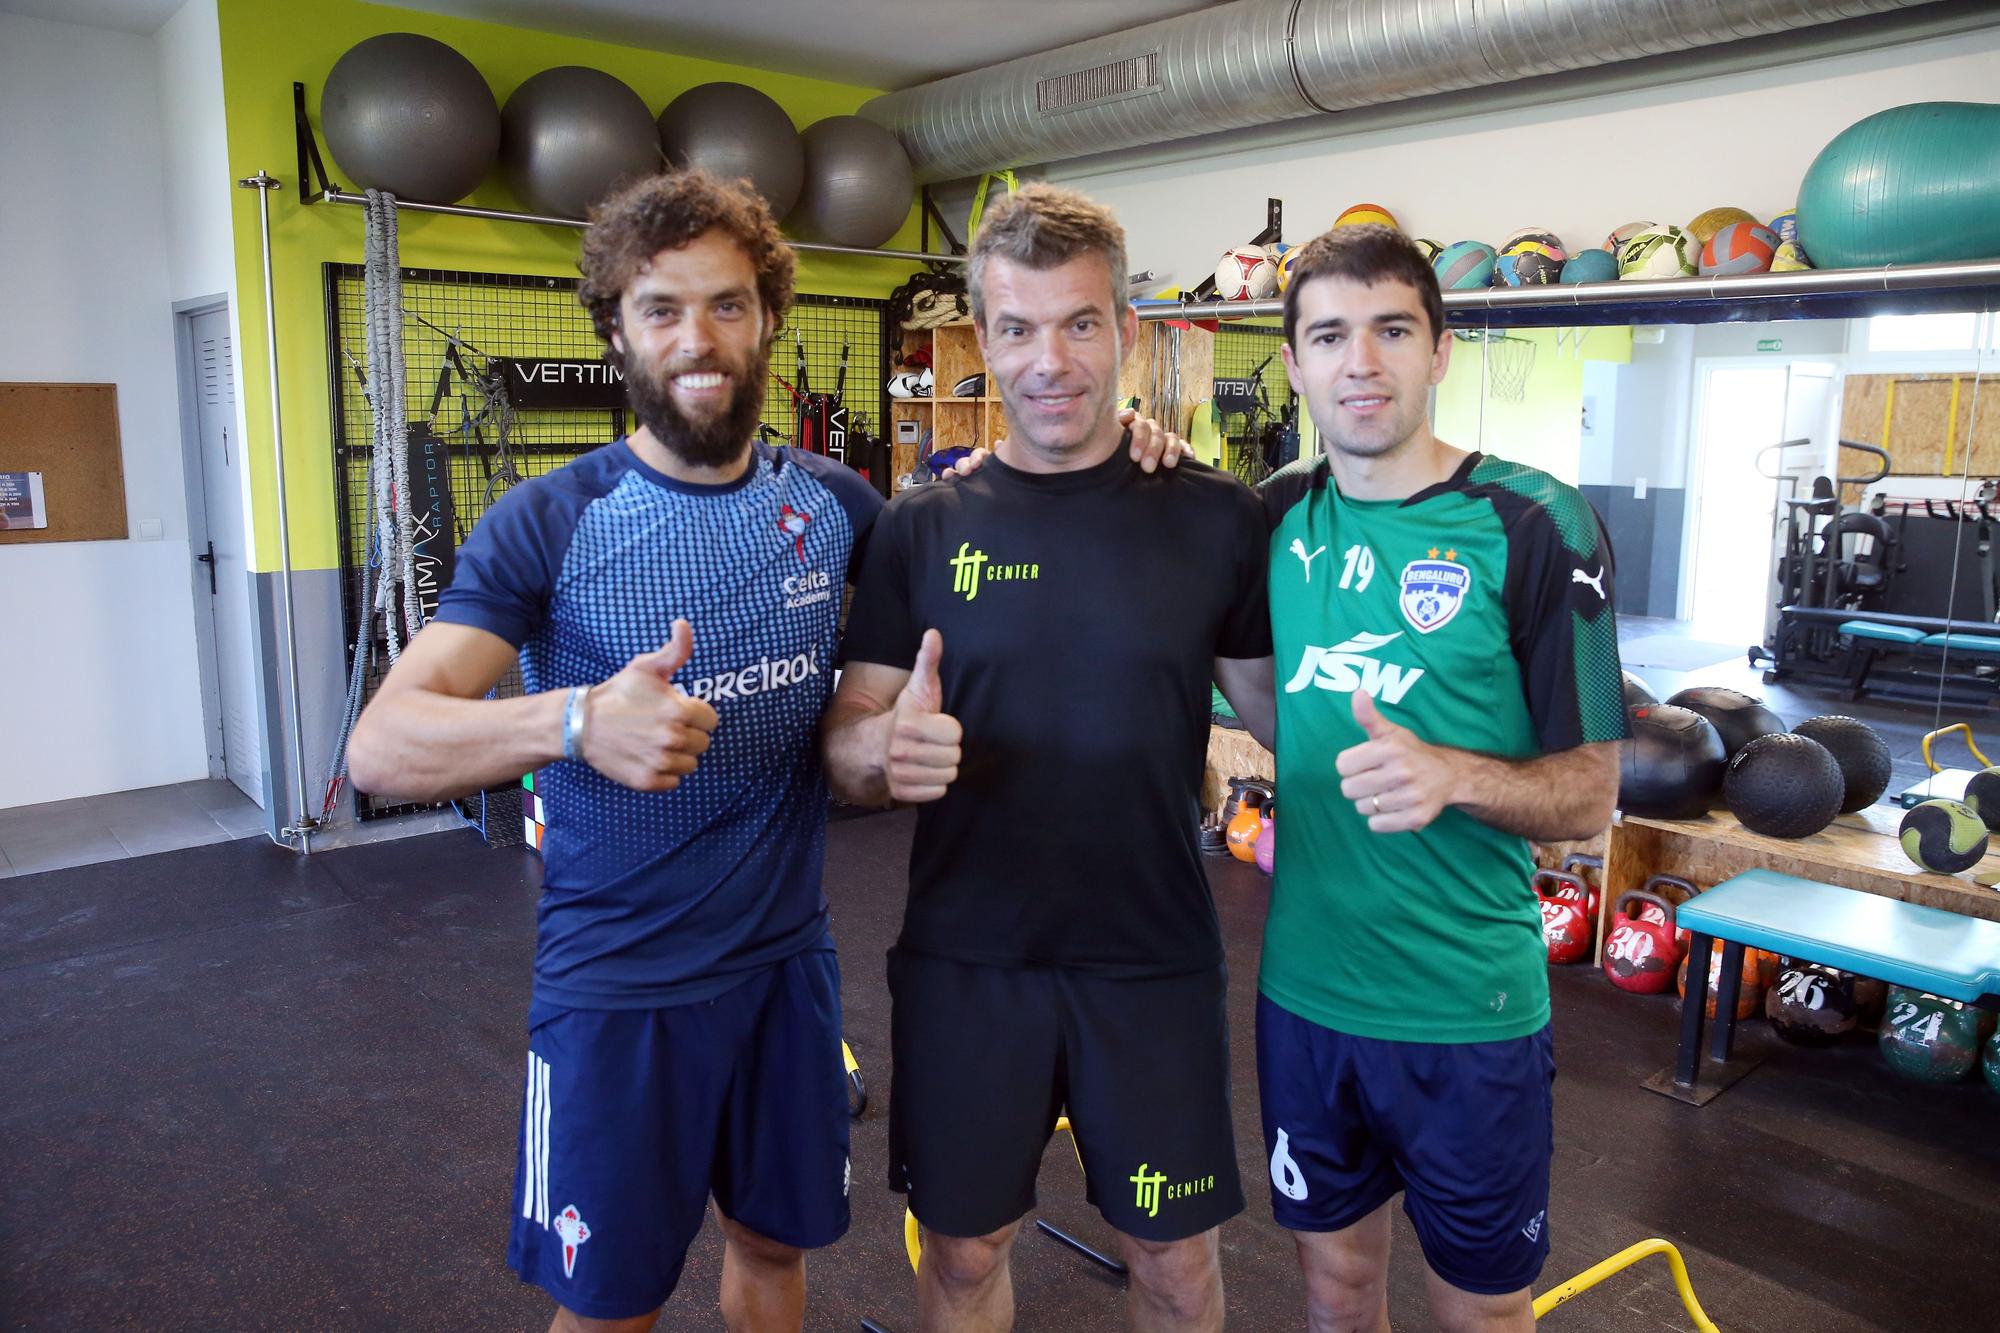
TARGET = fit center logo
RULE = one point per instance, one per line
(1153, 1186)
(969, 568)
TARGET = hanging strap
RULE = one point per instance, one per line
(1006, 178)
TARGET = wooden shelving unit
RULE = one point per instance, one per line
(973, 422)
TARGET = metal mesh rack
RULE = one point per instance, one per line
(496, 315)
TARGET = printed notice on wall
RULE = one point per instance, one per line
(21, 503)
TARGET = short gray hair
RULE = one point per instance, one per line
(1045, 226)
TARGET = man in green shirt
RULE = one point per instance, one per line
(1447, 688)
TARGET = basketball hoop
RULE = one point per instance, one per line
(1508, 364)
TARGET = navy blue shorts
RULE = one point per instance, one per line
(633, 1117)
(1465, 1130)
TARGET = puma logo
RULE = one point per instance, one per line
(1595, 582)
(1299, 550)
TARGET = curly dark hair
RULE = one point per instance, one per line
(1368, 253)
(666, 212)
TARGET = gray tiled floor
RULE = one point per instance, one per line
(120, 824)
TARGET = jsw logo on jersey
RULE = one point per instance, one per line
(1349, 666)
(770, 673)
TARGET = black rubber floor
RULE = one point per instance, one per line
(249, 1091)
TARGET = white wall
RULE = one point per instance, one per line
(98, 679)
(1580, 167)
(200, 257)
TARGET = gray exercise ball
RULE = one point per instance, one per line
(407, 114)
(571, 135)
(734, 131)
(858, 184)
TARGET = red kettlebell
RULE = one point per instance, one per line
(1566, 928)
(1675, 891)
(1267, 838)
(1576, 863)
(1640, 955)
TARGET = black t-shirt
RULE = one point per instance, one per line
(1081, 614)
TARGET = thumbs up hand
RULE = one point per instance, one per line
(923, 753)
(642, 730)
(1396, 781)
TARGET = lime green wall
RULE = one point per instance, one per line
(1544, 430)
(265, 48)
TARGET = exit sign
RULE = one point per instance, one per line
(1770, 344)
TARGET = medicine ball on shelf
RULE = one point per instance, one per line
(1638, 692)
(1942, 835)
(571, 135)
(1738, 718)
(1672, 766)
(734, 131)
(1982, 793)
(1783, 786)
(1860, 751)
(407, 114)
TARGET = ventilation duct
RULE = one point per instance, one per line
(1257, 62)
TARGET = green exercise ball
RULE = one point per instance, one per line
(1915, 184)
(1943, 835)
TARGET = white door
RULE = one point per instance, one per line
(223, 491)
(1740, 409)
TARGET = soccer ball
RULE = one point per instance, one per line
(1539, 239)
(1615, 242)
(1525, 268)
(1714, 220)
(1740, 247)
(1463, 265)
(1789, 258)
(1245, 273)
(1362, 214)
(1661, 252)
(1286, 263)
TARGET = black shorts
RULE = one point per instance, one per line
(986, 1058)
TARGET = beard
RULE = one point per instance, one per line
(706, 442)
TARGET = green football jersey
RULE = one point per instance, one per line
(1477, 613)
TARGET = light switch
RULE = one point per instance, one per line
(1638, 488)
(149, 529)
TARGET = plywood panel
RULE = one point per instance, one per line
(1149, 373)
(69, 434)
(1936, 425)
(1232, 754)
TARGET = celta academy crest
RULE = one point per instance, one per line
(1433, 590)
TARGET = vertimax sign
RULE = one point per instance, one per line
(547, 382)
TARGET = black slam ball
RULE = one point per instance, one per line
(1671, 767)
(1738, 718)
(1860, 751)
(1638, 692)
(1982, 793)
(1783, 786)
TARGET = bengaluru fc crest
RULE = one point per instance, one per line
(1432, 592)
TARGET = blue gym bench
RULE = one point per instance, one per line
(1904, 944)
(1868, 637)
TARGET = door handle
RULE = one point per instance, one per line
(209, 559)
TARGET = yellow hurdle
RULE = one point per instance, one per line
(1621, 1261)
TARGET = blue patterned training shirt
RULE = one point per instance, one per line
(663, 898)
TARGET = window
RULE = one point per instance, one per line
(1934, 333)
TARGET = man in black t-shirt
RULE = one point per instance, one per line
(1029, 655)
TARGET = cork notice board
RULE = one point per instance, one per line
(69, 434)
